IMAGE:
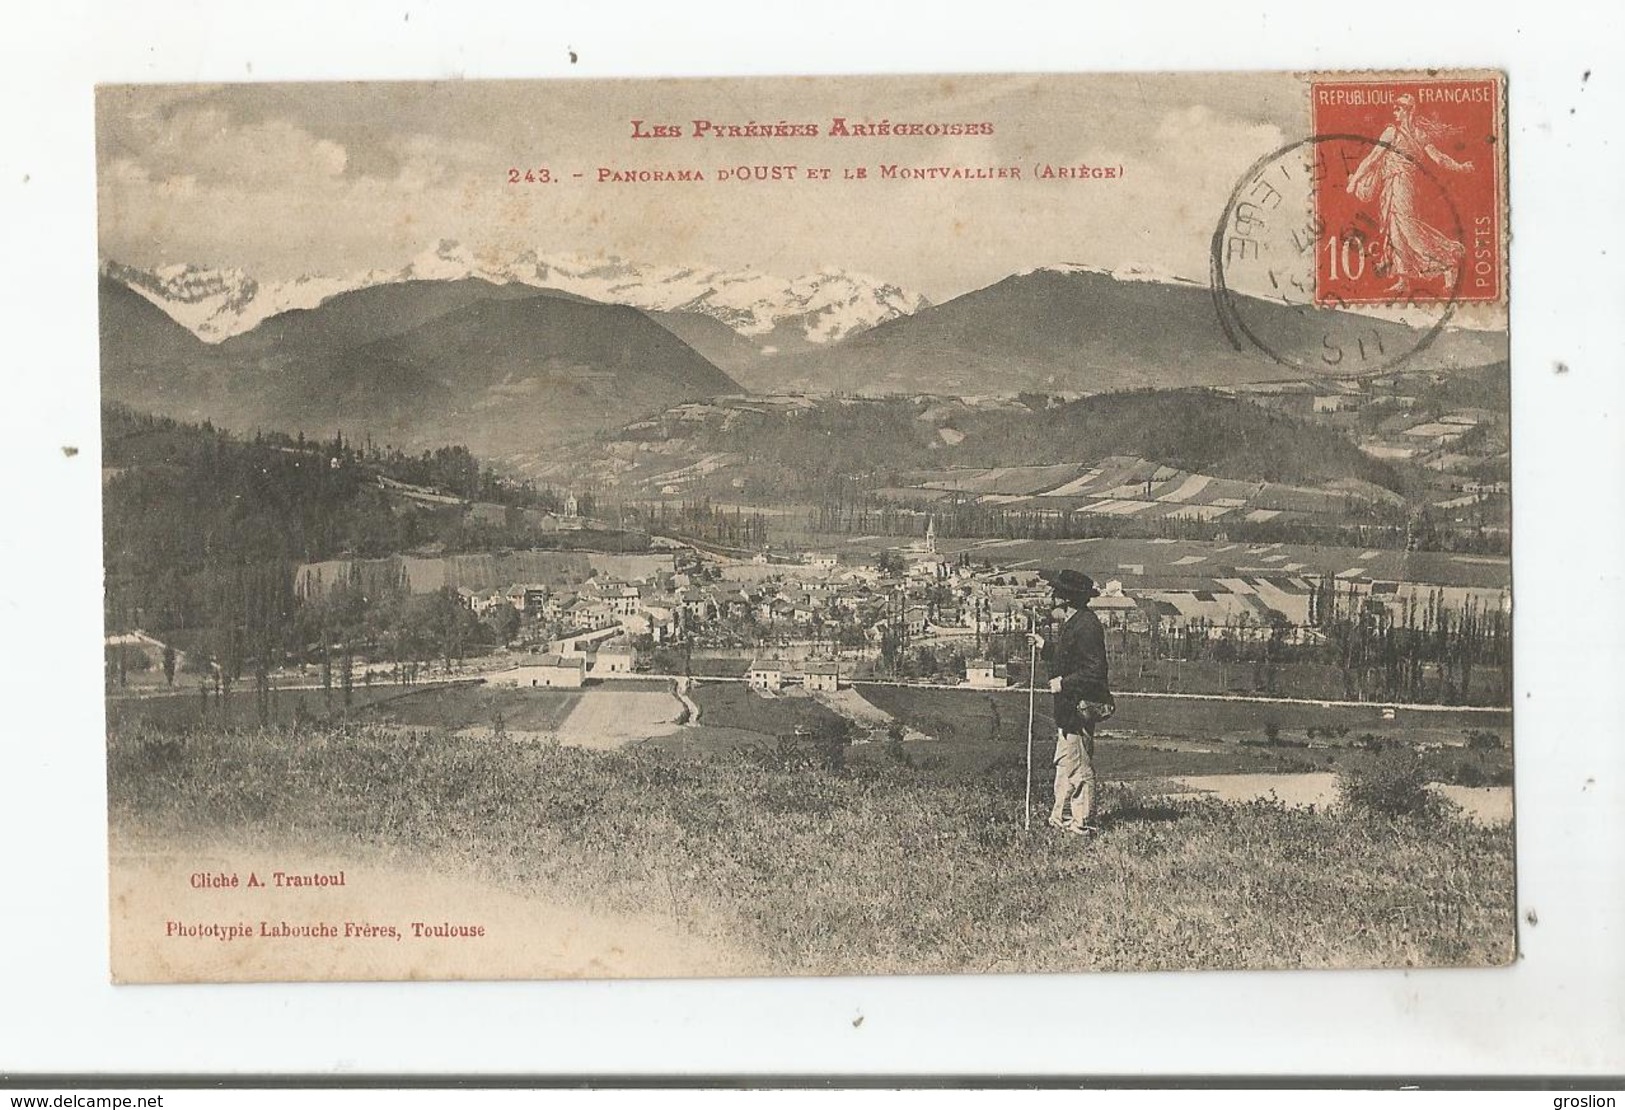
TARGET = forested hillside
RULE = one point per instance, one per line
(801, 451)
(1192, 429)
(190, 511)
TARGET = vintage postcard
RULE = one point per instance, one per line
(648, 528)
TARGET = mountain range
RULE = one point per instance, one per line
(508, 367)
(499, 368)
(1078, 329)
(763, 315)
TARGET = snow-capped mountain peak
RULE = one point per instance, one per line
(815, 308)
(216, 304)
(1121, 273)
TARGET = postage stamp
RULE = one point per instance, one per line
(1410, 193)
(1382, 232)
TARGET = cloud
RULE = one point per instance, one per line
(309, 180)
(208, 144)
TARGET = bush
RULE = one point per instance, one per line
(1272, 732)
(1391, 784)
(1484, 740)
(893, 746)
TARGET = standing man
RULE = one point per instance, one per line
(1076, 660)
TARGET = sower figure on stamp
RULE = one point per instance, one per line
(1075, 656)
(1413, 249)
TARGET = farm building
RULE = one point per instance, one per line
(821, 676)
(984, 675)
(546, 670)
(765, 675)
(614, 657)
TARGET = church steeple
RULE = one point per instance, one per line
(931, 536)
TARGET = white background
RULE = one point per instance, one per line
(1561, 1009)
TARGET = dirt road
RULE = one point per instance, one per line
(608, 717)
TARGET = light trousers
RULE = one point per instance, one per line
(1074, 777)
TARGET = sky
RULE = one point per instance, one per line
(283, 180)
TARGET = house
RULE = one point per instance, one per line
(984, 675)
(557, 605)
(696, 603)
(589, 613)
(1005, 614)
(853, 601)
(823, 560)
(1116, 610)
(821, 676)
(764, 675)
(545, 670)
(539, 520)
(614, 657)
(622, 599)
(656, 621)
(916, 620)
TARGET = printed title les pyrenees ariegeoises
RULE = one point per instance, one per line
(839, 127)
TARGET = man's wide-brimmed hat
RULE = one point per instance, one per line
(1071, 584)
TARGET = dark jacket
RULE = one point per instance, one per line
(1076, 652)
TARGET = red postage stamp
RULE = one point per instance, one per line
(1409, 191)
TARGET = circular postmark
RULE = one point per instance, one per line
(1338, 255)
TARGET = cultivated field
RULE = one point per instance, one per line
(975, 732)
(599, 715)
(184, 707)
(734, 705)
(969, 713)
(529, 711)
(609, 716)
(1118, 557)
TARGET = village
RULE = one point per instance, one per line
(1182, 615)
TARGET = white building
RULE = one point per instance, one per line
(615, 657)
(983, 675)
(545, 670)
(765, 675)
(821, 676)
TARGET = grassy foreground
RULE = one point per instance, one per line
(869, 870)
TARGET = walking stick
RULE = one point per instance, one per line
(1032, 680)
